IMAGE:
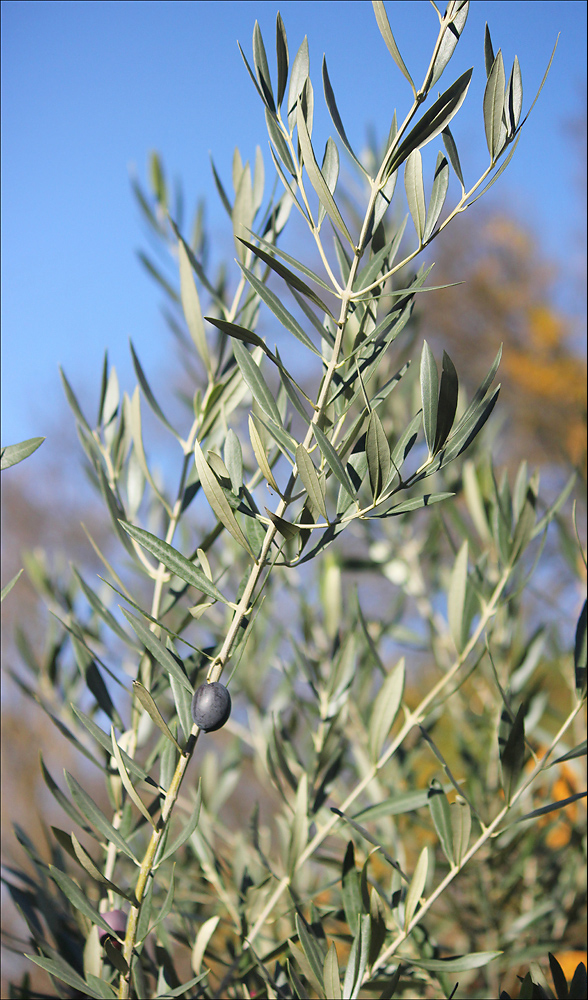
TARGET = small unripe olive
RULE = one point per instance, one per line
(211, 706)
(117, 919)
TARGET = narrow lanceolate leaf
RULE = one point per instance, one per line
(451, 150)
(104, 741)
(143, 926)
(441, 816)
(511, 741)
(131, 791)
(91, 672)
(14, 453)
(334, 113)
(513, 99)
(577, 751)
(333, 461)
(580, 650)
(290, 278)
(281, 149)
(292, 394)
(260, 455)
(202, 938)
(242, 214)
(268, 103)
(73, 847)
(433, 121)
(288, 259)
(331, 974)
(8, 587)
(137, 433)
(377, 452)
(416, 887)
(196, 265)
(78, 898)
(475, 960)
(450, 39)
(448, 392)
(386, 33)
(147, 391)
(157, 178)
(158, 276)
(298, 78)
(217, 500)
(457, 598)
(310, 480)
(550, 807)
(493, 106)
(316, 178)
(62, 799)
(313, 951)
(358, 958)
(385, 710)
(96, 817)
(438, 195)
(174, 561)
(398, 804)
(330, 173)
(152, 710)
(234, 460)
(258, 180)
(191, 307)
(75, 406)
(415, 192)
(307, 971)
(559, 979)
(284, 440)
(59, 968)
(474, 418)
(353, 902)
(281, 58)
(488, 51)
(429, 395)
(157, 649)
(261, 67)
(299, 828)
(461, 824)
(257, 385)
(241, 333)
(182, 697)
(378, 929)
(526, 520)
(277, 307)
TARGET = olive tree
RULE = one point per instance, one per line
(364, 820)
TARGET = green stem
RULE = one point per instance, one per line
(243, 608)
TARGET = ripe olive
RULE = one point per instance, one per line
(211, 706)
(117, 919)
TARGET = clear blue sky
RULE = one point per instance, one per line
(89, 88)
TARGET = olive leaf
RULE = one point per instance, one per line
(217, 500)
(433, 121)
(12, 454)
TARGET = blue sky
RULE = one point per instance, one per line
(89, 88)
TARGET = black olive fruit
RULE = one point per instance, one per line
(117, 919)
(211, 706)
